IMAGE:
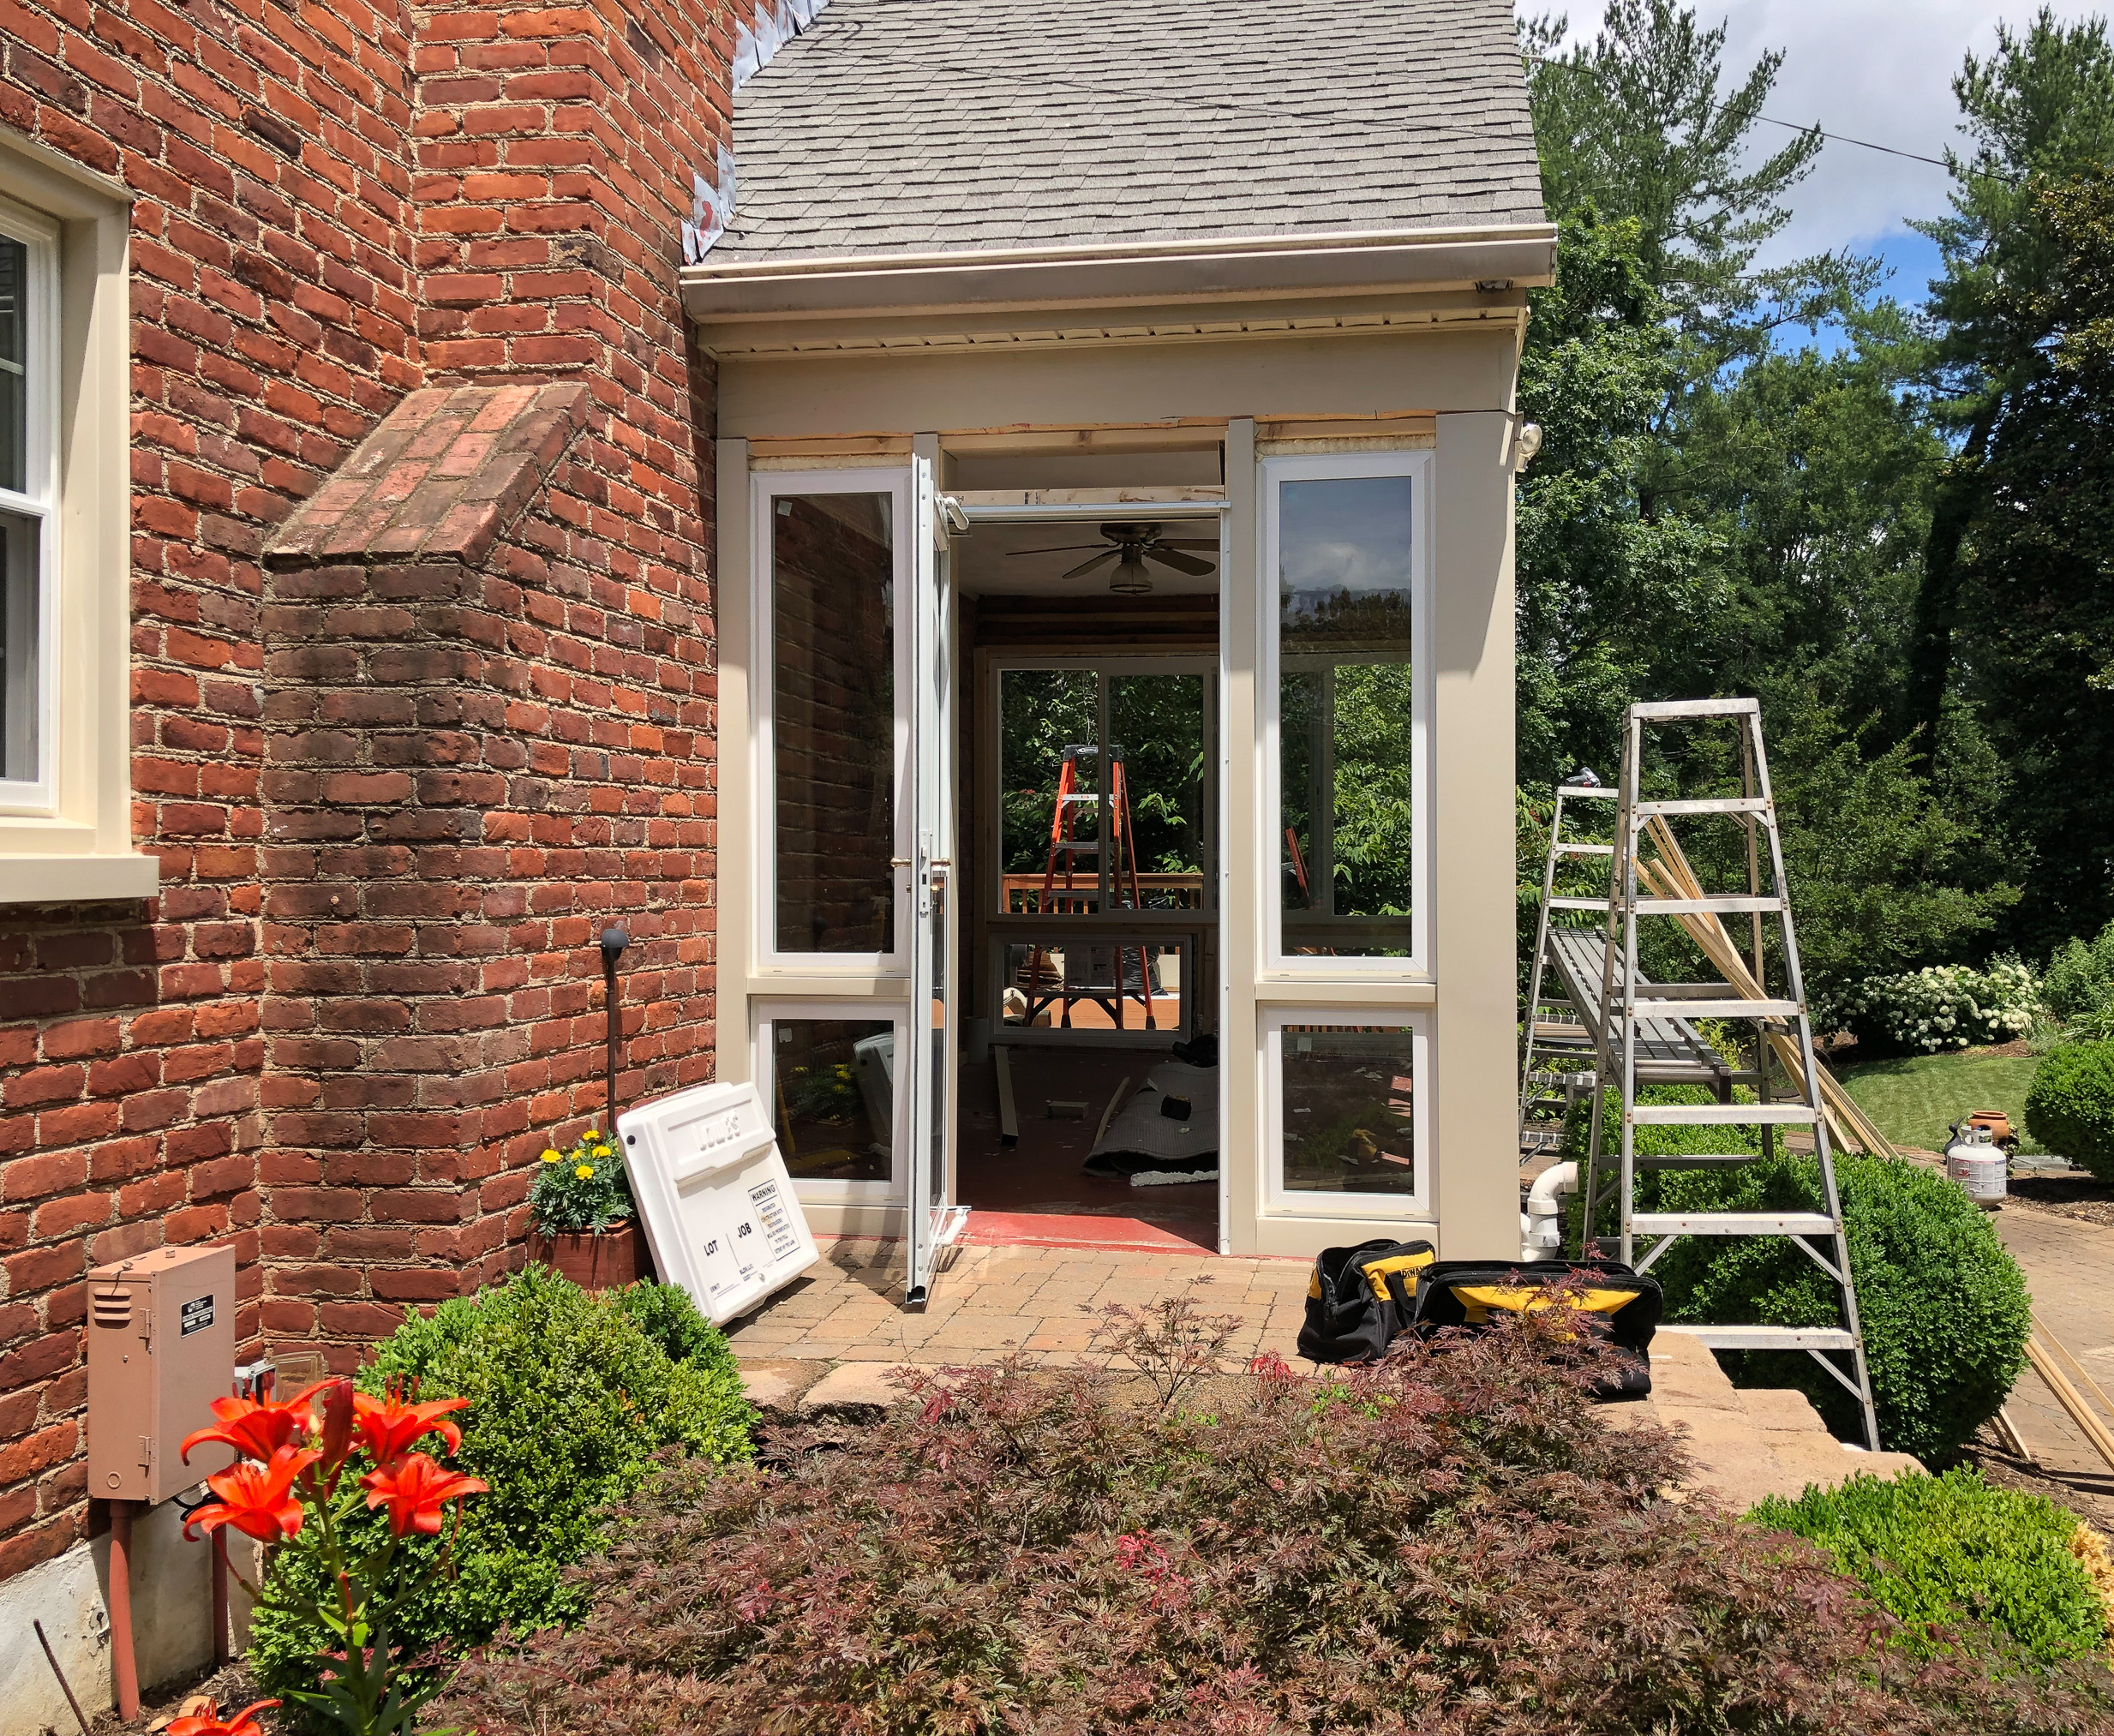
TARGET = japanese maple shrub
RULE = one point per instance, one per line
(1452, 1542)
(571, 1394)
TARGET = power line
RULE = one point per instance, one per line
(1844, 139)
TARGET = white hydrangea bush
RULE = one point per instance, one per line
(1940, 1007)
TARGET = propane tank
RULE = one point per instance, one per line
(1974, 1160)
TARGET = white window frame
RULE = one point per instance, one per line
(1280, 1201)
(39, 500)
(766, 487)
(764, 1016)
(67, 836)
(1416, 465)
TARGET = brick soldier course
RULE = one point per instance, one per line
(402, 751)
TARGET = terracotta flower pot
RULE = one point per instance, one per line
(596, 1259)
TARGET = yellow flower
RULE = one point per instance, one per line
(585, 1172)
(550, 1157)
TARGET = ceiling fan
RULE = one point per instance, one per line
(1133, 546)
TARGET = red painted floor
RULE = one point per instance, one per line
(1034, 1192)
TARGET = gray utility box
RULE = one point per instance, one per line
(161, 1349)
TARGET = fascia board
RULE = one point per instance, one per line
(1029, 279)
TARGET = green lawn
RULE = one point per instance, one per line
(1915, 1098)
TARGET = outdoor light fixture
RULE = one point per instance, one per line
(613, 941)
(1130, 578)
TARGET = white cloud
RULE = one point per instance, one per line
(1876, 69)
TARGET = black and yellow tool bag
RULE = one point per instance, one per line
(1358, 1298)
(1614, 1304)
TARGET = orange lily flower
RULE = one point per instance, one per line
(257, 1500)
(211, 1723)
(414, 1487)
(390, 1425)
(254, 1430)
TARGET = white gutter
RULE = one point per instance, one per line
(1493, 260)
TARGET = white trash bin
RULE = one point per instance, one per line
(713, 1192)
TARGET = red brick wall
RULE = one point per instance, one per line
(335, 205)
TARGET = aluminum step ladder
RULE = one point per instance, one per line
(1553, 1027)
(1629, 1003)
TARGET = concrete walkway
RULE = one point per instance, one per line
(822, 1348)
(2069, 1270)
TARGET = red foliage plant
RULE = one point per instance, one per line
(1454, 1542)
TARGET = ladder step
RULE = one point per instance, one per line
(1077, 845)
(1727, 804)
(1585, 849)
(1731, 1223)
(1722, 1114)
(1770, 1337)
(1593, 904)
(1665, 709)
(1602, 793)
(1729, 905)
(1693, 1161)
(1732, 1008)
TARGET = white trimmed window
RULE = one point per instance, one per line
(65, 534)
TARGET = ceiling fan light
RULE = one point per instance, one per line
(1130, 578)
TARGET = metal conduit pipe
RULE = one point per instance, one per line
(1542, 1225)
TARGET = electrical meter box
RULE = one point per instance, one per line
(161, 1349)
(718, 1206)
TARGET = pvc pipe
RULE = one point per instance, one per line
(124, 1670)
(1542, 1225)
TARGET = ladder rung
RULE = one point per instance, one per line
(1598, 904)
(1693, 1160)
(1731, 1223)
(1664, 709)
(1089, 796)
(1770, 1337)
(1571, 793)
(1724, 805)
(1722, 1114)
(1729, 905)
(1734, 1008)
(1585, 849)
(1078, 844)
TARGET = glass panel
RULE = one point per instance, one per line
(1156, 723)
(1066, 982)
(833, 704)
(1347, 1096)
(14, 365)
(1345, 697)
(833, 1081)
(1042, 715)
(19, 646)
(936, 1047)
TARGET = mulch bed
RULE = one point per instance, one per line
(2089, 1494)
(2064, 1196)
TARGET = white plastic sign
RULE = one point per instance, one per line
(717, 1204)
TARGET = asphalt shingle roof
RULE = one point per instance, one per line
(900, 126)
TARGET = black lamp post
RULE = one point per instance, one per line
(613, 941)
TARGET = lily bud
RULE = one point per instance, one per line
(336, 1437)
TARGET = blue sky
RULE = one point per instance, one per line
(1875, 70)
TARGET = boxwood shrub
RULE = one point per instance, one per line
(2069, 1106)
(1943, 1307)
(572, 1394)
(1933, 1550)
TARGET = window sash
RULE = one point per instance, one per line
(1419, 1206)
(36, 664)
(1276, 663)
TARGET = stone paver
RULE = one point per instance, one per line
(2068, 1265)
(821, 1349)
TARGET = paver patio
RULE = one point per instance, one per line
(800, 1352)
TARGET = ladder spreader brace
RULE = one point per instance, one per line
(1631, 1007)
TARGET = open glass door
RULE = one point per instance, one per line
(934, 1219)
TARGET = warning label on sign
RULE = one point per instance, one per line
(779, 1236)
(195, 1315)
